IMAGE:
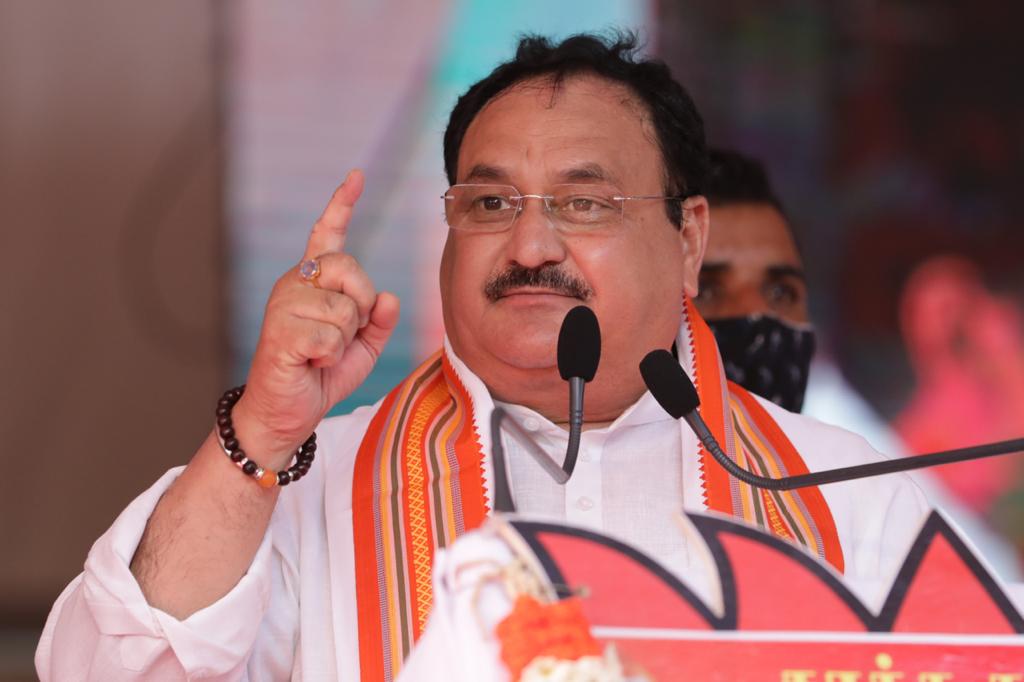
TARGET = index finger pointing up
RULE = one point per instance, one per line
(329, 231)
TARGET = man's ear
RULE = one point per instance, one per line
(693, 237)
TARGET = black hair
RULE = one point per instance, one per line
(678, 125)
(734, 178)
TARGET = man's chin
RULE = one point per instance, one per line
(525, 350)
(529, 361)
(521, 332)
(528, 344)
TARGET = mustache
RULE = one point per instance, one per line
(547, 276)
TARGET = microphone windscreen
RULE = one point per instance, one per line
(668, 383)
(579, 344)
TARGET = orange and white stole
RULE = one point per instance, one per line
(419, 483)
(752, 439)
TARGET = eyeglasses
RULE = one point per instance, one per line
(572, 208)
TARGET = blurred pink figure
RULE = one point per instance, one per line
(966, 345)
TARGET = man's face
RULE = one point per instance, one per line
(751, 266)
(588, 131)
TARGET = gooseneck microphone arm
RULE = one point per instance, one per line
(502, 490)
(501, 420)
(674, 391)
(575, 424)
(889, 466)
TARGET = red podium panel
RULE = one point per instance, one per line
(785, 616)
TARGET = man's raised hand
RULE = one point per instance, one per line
(320, 338)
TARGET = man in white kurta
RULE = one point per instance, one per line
(575, 173)
(293, 614)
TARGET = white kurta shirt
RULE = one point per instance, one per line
(628, 480)
(293, 615)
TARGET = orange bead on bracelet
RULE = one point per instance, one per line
(268, 479)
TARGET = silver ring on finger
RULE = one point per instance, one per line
(309, 271)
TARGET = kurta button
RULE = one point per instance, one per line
(584, 503)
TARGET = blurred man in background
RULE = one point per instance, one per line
(753, 295)
(753, 292)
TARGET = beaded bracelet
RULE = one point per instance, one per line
(267, 478)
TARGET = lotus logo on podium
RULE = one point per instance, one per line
(782, 615)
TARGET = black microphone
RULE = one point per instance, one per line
(579, 352)
(672, 388)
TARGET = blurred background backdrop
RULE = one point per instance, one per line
(161, 164)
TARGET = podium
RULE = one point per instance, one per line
(781, 614)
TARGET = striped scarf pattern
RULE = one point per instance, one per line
(417, 485)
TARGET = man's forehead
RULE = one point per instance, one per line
(580, 125)
(583, 172)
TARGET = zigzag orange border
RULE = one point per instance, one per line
(432, 398)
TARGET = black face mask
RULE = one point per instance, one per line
(766, 356)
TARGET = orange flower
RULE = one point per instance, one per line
(533, 629)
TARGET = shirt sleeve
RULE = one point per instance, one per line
(102, 627)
